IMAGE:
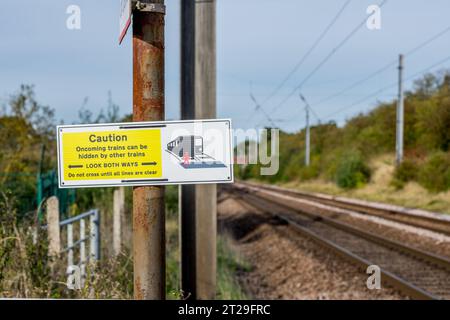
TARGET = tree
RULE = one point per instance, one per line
(25, 125)
(111, 115)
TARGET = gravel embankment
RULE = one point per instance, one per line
(285, 265)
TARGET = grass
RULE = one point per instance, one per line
(380, 189)
(173, 290)
(26, 271)
(228, 262)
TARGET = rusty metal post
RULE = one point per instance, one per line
(148, 202)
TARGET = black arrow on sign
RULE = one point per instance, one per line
(149, 163)
(75, 166)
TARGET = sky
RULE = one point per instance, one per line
(258, 43)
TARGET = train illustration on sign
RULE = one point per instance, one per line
(190, 153)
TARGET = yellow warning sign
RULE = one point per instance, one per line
(107, 155)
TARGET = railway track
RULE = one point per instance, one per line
(413, 217)
(417, 273)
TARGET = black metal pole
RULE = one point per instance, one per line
(187, 192)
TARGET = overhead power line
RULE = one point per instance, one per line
(427, 42)
(388, 87)
(309, 107)
(253, 111)
(326, 59)
(304, 57)
(356, 84)
(259, 107)
(308, 53)
(384, 68)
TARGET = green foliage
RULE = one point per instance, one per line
(352, 172)
(427, 123)
(24, 262)
(228, 263)
(100, 198)
(38, 260)
(172, 199)
(112, 278)
(372, 133)
(24, 107)
(312, 171)
(24, 188)
(228, 267)
(173, 290)
(435, 172)
(25, 126)
(433, 122)
(405, 172)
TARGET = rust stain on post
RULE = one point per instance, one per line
(148, 62)
(138, 293)
(148, 202)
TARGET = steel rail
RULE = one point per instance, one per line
(397, 282)
(430, 257)
(438, 225)
(403, 285)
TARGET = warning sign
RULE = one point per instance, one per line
(129, 154)
(145, 153)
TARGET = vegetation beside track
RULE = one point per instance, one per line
(27, 272)
(380, 188)
(345, 156)
(26, 126)
(228, 262)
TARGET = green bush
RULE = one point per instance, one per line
(311, 172)
(434, 175)
(294, 165)
(427, 123)
(405, 172)
(172, 200)
(351, 171)
(229, 266)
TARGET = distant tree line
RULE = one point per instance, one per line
(342, 154)
(26, 129)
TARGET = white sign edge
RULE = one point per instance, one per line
(124, 29)
(140, 183)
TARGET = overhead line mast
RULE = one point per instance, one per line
(384, 68)
(307, 133)
(392, 85)
(400, 113)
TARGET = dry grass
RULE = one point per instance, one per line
(229, 263)
(27, 272)
(380, 189)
